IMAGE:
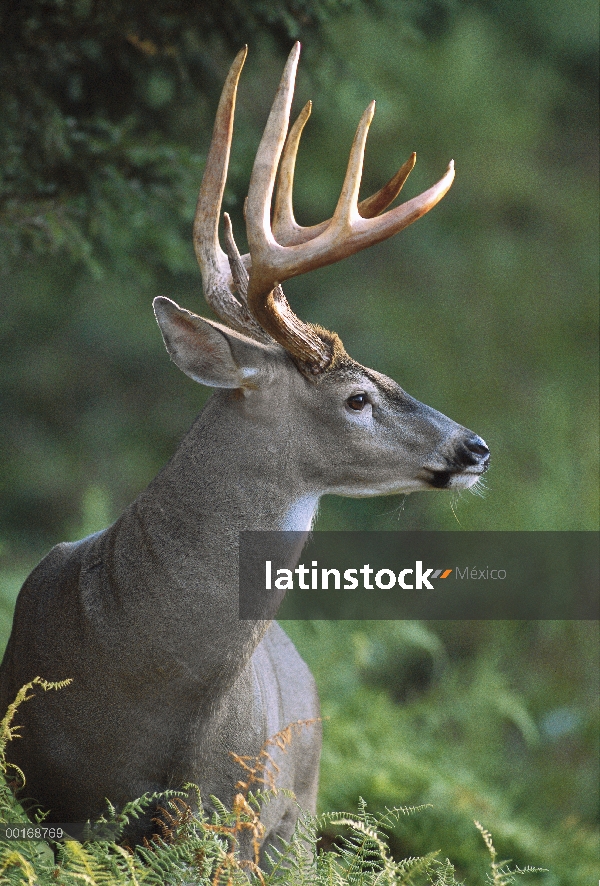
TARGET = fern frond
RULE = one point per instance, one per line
(295, 859)
(501, 873)
(13, 859)
(83, 864)
(9, 732)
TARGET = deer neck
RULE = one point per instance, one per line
(231, 473)
(173, 554)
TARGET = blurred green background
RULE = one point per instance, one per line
(486, 309)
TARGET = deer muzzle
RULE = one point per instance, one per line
(462, 466)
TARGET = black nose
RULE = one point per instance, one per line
(475, 451)
(477, 446)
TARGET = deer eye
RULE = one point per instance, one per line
(357, 402)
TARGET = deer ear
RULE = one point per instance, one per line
(207, 351)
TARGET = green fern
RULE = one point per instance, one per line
(501, 874)
(363, 857)
(195, 848)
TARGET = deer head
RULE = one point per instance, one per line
(389, 442)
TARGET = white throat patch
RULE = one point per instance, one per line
(301, 515)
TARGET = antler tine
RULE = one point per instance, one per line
(347, 205)
(346, 233)
(372, 206)
(262, 180)
(368, 232)
(286, 229)
(271, 309)
(217, 278)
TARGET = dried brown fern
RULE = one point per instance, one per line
(260, 770)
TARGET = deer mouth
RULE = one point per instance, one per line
(453, 479)
(462, 469)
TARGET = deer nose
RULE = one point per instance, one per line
(477, 451)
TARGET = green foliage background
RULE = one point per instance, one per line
(486, 310)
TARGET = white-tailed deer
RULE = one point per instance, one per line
(144, 615)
